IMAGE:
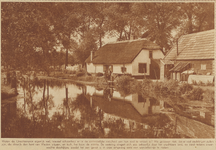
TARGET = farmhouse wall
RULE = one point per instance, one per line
(208, 66)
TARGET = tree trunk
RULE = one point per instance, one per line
(66, 59)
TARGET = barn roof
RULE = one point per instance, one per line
(179, 67)
(194, 46)
(121, 52)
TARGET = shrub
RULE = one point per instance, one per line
(71, 71)
(123, 80)
(147, 86)
(80, 74)
(101, 81)
(89, 78)
(196, 94)
(208, 96)
(172, 86)
(99, 74)
(210, 83)
(185, 88)
(166, 88)
(123, 84)
(135, 86)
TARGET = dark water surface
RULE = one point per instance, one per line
(55, 109)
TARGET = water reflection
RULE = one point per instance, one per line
(54, 109)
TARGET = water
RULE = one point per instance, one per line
(56, 109)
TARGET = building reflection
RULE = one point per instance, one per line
(132, 109)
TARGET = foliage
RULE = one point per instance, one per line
(196, 17)
(147, 86)
(195, 94)
(79, 74)
(185, 88)
(209, 96)
(38, 35)
(7, 92)
(159, 20)
(123, 84)
(210, 83)
(99, 74)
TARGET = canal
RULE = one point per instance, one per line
(57, 109)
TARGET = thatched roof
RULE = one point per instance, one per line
(121, 52)
(123, 109)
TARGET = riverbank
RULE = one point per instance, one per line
(77, 80)
(7, 92)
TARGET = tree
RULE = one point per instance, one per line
(197, 17)
(159, 20)
(26, 34)
(87, 45)
(122, 21)
(66, 22)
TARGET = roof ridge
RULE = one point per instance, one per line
(201, 32)
(141, 39)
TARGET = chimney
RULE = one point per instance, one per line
(92, 55)
(177, 46)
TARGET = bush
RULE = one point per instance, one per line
(123, 80)
(169, 87)
(210, 83)
(147, 86)
(99, 74)
(185, 88)
(80, 74)
(71, 71)
(135, 86)
(208, 96)
(172, 86)
(101, 81)
(196, 94)
(123, 84)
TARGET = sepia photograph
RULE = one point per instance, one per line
(108, 70)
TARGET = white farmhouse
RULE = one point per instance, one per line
(136, 57)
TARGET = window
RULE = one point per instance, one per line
(141, 99)
(203, 66)
(142, 68)
(123, 69)
(150, 54)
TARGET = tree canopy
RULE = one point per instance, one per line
(35, 35)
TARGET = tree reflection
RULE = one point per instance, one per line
(76, 118)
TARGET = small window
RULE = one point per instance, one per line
(203, 66)
(123, 69)
(142, 68)
(150, 54)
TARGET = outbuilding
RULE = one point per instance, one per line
(193, 54)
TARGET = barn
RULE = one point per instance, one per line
(193, 55)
